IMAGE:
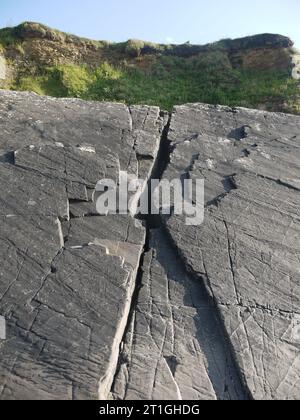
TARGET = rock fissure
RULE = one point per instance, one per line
(147, 307)
(222, 385)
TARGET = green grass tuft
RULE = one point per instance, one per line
(171, 81)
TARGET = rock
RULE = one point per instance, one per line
(175, 348)
(110, 306)
(66, 280)
(2, 68)
(296, 66)
(246, 251)
(261, 41)
(33, 51)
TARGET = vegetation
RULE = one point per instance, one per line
(145, 73)
(170, 81)
(7, 37)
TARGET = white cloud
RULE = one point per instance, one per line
(170, 40)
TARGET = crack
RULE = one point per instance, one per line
(130, 118)
(103, 394)
(56, 311)
(279, 182)
(229, 185)
(153, 222)
(160, 164)
(51, 271)
(169, 364)
(229, 352)
(257, 306)
(185, 140)
(231, 262)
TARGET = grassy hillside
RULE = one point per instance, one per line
(250, 72)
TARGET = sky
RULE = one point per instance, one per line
(163, 21)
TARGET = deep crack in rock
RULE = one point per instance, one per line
(147, 307)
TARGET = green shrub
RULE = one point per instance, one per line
(107, 71)
(7, 37)
(31, 84)
(74, 80)
(171, 81)
(32, 28)
(134, 47)
(213, 60)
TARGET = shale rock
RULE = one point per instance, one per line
(175, 348)
(114, 307)
(247, 250)
(2, 68)
(66, 280)
(296, 66)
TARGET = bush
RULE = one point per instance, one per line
(107, 71)
(172, 81)
(213, 60)
(31, 30)
(134, 47)
(7, 37)
(30, 84)
(72, 80)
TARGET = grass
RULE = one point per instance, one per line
(148, 73)
(7, 37)
(170, 81)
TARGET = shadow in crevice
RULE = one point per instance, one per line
(8, 157)
(239, 133)
(220, 364)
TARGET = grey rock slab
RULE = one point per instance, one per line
(120, 228)
(145, 123)
(266, 341)
(66, 308)
(2, 68)
(27, 119)
(75, 167)
(26, 192)
(175, 348)
(25, 261)
(67, 279)
(98, 290)
(247, 250)
(96, 140)
(66, 163)
(80, 312)
(217, 315)
(119, 235)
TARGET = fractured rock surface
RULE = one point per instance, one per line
(296, 66)
(247, 249)
(175, 348)
(2, 68)
(96, 306)
(66, 280)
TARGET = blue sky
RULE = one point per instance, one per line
(197, 21)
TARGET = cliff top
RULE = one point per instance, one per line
(255, 71)
(33, 30)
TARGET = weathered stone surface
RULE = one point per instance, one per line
(296, 66)
(247, 250)
(216, 309)
(66, 280)
(175, 348)
(2, 68)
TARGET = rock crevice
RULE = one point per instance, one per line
(140, 307)
(67, 280)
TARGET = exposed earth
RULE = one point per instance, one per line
(259, 71)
